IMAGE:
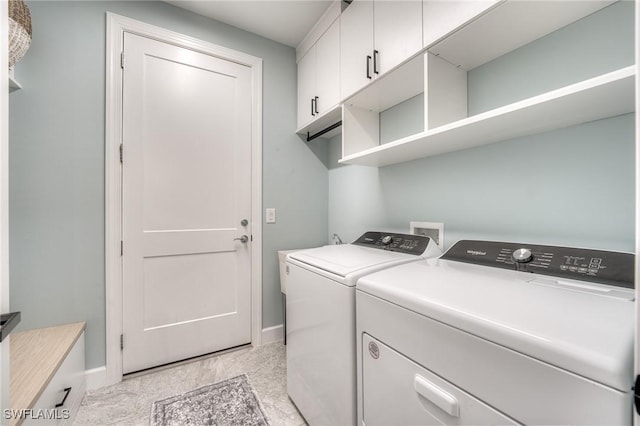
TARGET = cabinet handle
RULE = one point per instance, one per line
(312, 109)
(368, 66)
(375, 62)
(316, 104)
(67, 391)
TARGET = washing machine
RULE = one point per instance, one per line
(498, 333)
(321, 345)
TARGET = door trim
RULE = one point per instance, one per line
(116, 27)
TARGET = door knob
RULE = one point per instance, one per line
(244, 222)
(242, 239)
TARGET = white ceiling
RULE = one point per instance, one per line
(285, 21)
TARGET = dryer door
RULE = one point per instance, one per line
(398, 391)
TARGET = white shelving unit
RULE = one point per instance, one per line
(600, 97)
(441, 73)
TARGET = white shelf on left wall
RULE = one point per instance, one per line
(13, 85)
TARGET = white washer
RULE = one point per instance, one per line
(498, 333)
(321, 333)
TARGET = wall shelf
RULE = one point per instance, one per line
(488, 37)
(13, 85)
(601, 97)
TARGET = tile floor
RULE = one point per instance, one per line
(129, 402)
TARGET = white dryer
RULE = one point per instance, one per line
(321, 346)
(498, 333)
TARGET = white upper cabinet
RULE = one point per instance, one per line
(328, 69)
(356, 46)
(306, 87)
(319, 77)
(376, 36)
(397, 32)
(442, 17)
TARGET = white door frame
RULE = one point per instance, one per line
(116, 27)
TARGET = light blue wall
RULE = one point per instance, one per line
(356, 202)
(57, 162)
(573, 186)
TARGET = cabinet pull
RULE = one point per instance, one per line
(312, 109)
(67, 391)
(375, 62)
(368, 67)
(316, 104)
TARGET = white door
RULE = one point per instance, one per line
(306, 87)
(186, 190)
(398, 32)
(356, 46)
(328, 65)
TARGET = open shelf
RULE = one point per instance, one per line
(601, 97)
(488, 36)
(13, 85)
(397, 85)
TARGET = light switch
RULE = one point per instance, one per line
(271, 215)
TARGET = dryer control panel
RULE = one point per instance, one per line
(605, 267)
(403, 243)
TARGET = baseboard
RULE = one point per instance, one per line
(272, 334)
(96, 378)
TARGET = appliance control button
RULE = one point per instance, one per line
(523, 255)
(387, 240)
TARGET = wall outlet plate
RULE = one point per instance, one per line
(433, 230)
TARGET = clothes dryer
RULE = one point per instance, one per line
(321, 344)
(498, 333)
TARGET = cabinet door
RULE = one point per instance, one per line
(306, 86)
(328, 68)
(442, 17)
(356, 43)
(397, 31)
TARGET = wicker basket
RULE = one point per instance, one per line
(19, 30)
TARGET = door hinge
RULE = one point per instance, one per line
(121, 341)
(121, 247)
(122, 60)
(121, 153)
(636, 394)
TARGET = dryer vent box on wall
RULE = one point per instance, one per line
(433, 230)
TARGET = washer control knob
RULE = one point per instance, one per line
(386, 240)
(522, 255)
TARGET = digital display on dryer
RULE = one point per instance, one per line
(606, 267)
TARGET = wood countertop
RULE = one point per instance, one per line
(36, 355)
